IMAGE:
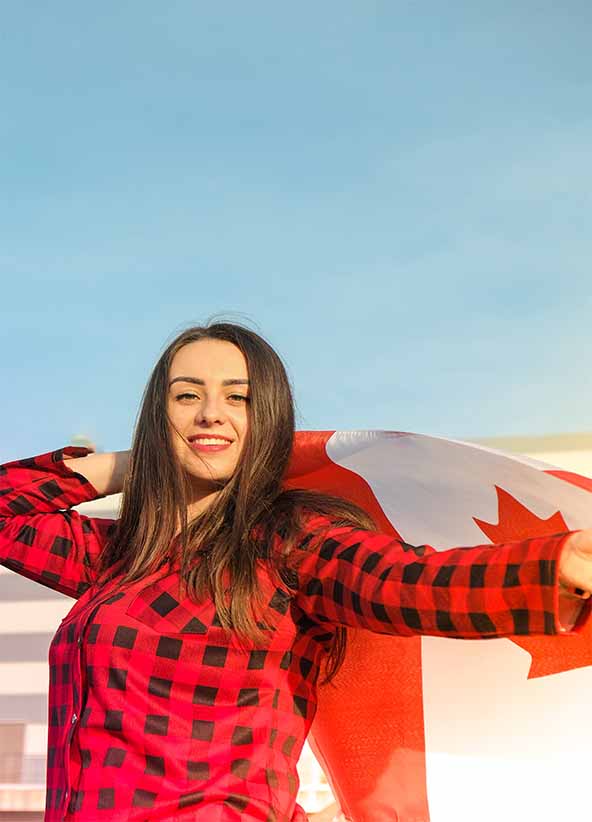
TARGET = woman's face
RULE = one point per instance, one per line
(207, 405)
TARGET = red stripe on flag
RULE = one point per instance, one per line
(574, 479)
(369, 729)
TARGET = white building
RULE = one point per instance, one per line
(30, 613)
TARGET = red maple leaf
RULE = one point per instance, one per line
(516, 522)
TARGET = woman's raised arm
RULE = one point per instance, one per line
(367, 580)
(106, 472)
(40, 537)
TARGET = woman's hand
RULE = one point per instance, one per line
(575, 565)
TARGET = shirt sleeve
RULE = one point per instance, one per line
(363, 579)
(40, 538)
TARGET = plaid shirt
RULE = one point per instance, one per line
(156, 713)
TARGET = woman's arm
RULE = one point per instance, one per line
(363, 579)
(106, 472)
(40, 537)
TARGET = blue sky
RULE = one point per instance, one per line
(396, 194)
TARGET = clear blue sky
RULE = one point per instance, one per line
(398, 194)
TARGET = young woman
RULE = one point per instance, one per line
(183, 680)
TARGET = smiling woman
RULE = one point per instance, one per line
(214, 434)
(184, 679)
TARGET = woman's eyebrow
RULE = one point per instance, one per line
(197, 381)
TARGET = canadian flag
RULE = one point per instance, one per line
(442, 730)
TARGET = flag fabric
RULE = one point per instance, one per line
(430, 729)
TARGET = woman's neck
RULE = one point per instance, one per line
(200, 495)
(199, 504)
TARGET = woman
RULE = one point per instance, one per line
(183, 680)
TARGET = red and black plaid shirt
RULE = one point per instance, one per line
(155, 713)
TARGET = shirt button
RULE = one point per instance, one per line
(79, 641)
(74, 719)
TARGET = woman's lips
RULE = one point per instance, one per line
(209, 445)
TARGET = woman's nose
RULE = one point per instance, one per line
(210, 411)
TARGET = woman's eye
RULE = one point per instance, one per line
(187, 396)
(238, 398)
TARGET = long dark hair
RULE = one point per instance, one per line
(223, 547)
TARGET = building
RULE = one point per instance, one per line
(29, 616)
(30, 613)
